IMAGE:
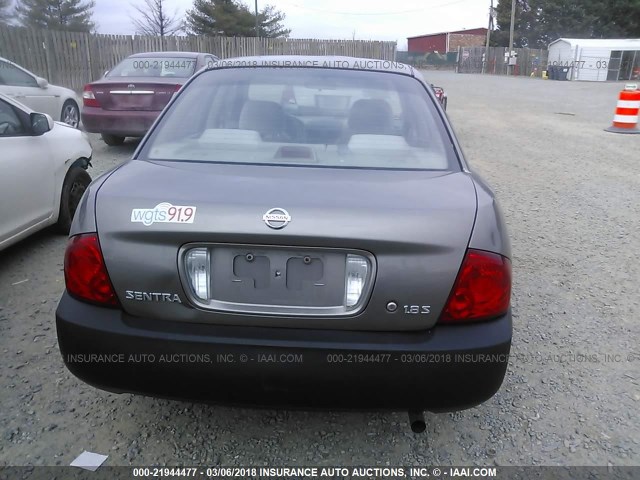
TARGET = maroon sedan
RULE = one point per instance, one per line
(127, 100)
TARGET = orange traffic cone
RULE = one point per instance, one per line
(626, 117)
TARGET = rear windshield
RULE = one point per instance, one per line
(304, 116)
(178, 67)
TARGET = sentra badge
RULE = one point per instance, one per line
(164, 213)
(152, 296)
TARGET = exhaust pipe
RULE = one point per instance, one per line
(416, 420)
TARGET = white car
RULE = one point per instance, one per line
(35, 92)
(42, 171)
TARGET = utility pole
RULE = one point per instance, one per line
(257, 27)
(486, 50)
(511, 29)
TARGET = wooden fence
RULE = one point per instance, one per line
(73, 59)
(528, 61)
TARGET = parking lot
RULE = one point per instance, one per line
(570, 193)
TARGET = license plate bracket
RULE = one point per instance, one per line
(277, 277)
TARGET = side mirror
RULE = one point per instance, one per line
(41, 123)
(42, 82)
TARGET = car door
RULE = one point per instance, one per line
(23, 87)
(26, 174)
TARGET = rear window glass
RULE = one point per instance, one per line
(304, 116)
(178, 67)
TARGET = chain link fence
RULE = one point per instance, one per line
(427, 60)
(527, 62)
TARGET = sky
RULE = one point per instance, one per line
(334, 19)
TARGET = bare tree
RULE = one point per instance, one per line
(154, 19)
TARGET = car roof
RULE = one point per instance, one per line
(318, 61)
(168, 54)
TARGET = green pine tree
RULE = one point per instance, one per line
(71, 15)
(526, 30)
(616, 18)
(539, 22)
(233, 19)
(270, 23)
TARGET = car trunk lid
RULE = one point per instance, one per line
(135, 93)
(413, 225)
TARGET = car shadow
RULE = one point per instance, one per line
(129, 145)
(223, 434)
(20, 250)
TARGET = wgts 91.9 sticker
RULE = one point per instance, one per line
(164, 213)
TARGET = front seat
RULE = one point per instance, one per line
(266, 118)
(371, 116)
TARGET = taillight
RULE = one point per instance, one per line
(85, 273)
(482, 289)
(177, 88)
(88, 97)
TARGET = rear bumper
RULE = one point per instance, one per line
(447, 368)
(122, 123)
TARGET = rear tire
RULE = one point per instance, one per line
(74, 186)
(70, 114)
(112, 140)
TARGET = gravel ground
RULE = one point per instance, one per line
(570, 193)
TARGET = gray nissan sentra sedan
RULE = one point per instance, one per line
(293, 232)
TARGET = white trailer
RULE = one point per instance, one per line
(597, 60)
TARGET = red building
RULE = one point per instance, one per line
(447, 41)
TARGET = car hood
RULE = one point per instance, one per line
(62, 124)
(68, 143)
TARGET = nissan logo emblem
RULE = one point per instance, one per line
(277, 218)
